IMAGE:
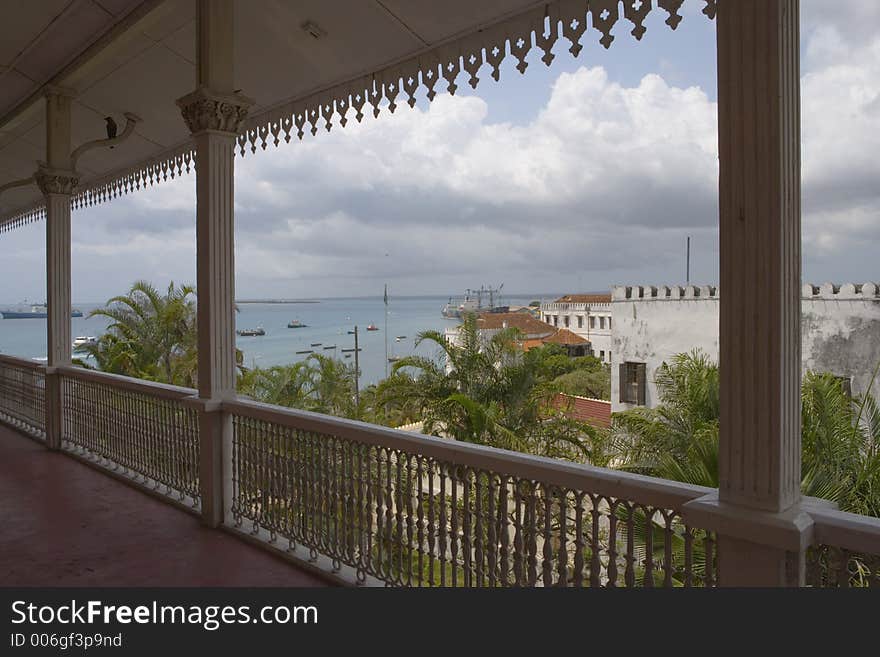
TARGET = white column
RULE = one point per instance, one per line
(214, 114)
(56, 180)
(763, 531)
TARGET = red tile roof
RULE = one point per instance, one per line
(595, 412)
(564, 336)
(523, 321)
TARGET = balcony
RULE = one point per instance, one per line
(363, 504)
(366, 505)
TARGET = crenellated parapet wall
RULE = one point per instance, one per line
(847, 291)
(825, 291)
(663, 292)
(840, 325)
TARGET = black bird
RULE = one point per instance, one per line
(111, 127)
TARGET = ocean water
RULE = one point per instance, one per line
(328, 322)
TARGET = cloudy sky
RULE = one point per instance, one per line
(576, 177)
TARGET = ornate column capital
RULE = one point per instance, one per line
(204, 109)
(56, 181)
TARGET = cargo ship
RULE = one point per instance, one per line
(39, 311)
(475, 301)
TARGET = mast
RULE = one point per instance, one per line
(357, 369)
(386, 329)
(687, 276)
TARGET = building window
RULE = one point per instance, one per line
(609, 323)
(592, 322)
(555, 320)
(632, 383)
(580, 321)
(601, 322)
(602, 356)
(566, 319)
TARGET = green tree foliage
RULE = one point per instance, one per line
(679, 438)
(319, 383)
(151, 335)
(486, 391)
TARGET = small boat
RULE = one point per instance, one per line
(347, 356)
(401, 337)
(296, 324)
(372, 327)
(315, 344)
(329, 346)
(305, 351)
(351, 332)
(349, 350)
(83, 341)
(251, 332)
(393, 359)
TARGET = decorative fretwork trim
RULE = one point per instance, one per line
(147, 173)
(540, 26)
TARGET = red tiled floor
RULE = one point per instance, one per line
(63, 523)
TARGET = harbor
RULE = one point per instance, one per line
(327, 328)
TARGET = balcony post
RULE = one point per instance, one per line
(762, 529)
(214, 113)
(57, 180)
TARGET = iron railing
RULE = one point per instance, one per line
(846, 550)
(23, 395)
(403, 509)
(140, 428)
(413, 510)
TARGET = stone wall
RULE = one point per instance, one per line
(840, 330)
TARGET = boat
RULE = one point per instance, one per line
(305, 351)
(82, 341)
(37, 311)
(351, 332)
(393, 359)
(315, 344)
(372, 327)
(251, 332)
(352, 349)
(347, 356)
(330, 346)
(296, 324)
(401, 337)
(473, 302)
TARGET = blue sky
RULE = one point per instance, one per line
(576, 177)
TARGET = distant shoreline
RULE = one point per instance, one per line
(277, 301)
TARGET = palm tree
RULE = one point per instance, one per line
(320, 384)
(484, 390)
(151, 335)
(282, 385)
(679, 439)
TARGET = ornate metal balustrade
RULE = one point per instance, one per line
(411, 510)
(139, 429)
(846, 552)
(385, 506)
(23, 395)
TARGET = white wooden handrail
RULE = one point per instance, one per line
(849, 531)
(613, 483)
(152, 388)
(21, 362)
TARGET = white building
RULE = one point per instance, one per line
(840, 334)
(587, 315)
